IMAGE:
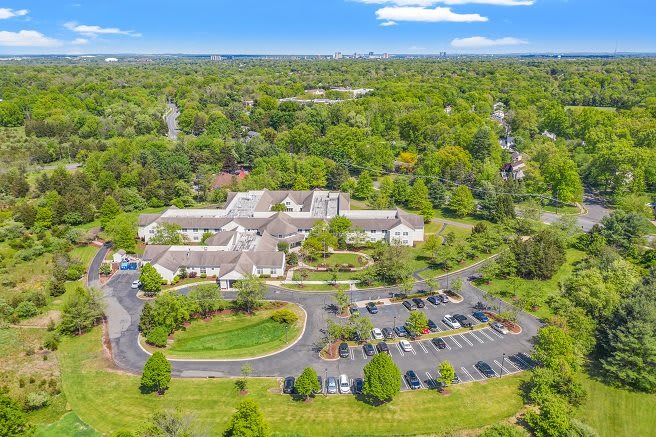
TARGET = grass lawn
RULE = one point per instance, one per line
(432, 227)
(68, 425)
(234, 336)
(109, 400)
(460, 232)
(311, 287)
(84, 254)
(339, 259)
(325, 276)
(616, 412)
(535, 290)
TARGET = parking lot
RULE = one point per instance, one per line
(506, 354)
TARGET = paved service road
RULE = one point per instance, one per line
(594, 206)
(172, 121)
(463, 350)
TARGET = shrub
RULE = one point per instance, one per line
(158, 337)
(203, 275)
(192, 275)
(285, 316)
(26, 309)
(75, 272)
(51, 342)
(105, 269)
(37, 400)
(175, 280)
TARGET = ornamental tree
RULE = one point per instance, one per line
(156, 374)
(382, 379)
(248, 420)
(417, 321)
(307, 383)
(447, 373)
(151, 280)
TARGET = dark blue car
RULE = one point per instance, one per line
(480, 316)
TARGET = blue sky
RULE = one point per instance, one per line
(326, 26)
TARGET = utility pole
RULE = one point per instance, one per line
(502, 362)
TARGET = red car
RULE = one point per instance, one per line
(426, 331)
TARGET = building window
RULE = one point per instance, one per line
(196, 238)
(203, 271)
(373, 231)
(405, 241)
(206, 230)
(195, 230)
(274, 271)
(290, 209)
(405, 234)
(397, 233)
(185, 230)
(260, 271)
(152, 231)
(288, 203)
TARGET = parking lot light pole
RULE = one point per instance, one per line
(325, 383)
(394, 322)
(503, 359)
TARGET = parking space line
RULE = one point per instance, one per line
(400, 350)
(405, 383)
(412, 349)
(430, 380)
(502, 368)
(482, 331)
(495, 332)
(364, 356)
(464, 338)
(352, 354)
(476, 337)
(521, 360)
(455, 341)
(479, 372)
(421, 383)
(468, 374)
(434, 347)
(513, 364)
(422, 346)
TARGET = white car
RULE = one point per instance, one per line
(344, 384)
(499, 328)
(136, 284)
(405, 345)
(377, 334)
(451, 322)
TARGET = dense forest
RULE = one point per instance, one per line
(84, 150)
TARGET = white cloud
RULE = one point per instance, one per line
(388, 23)
(430, 15)
(477, 42)
(26, 38)
(93, 31)
(11, 13)
(426, 3)
(80, 41)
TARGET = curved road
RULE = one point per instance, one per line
(124, 309)
(172, 120)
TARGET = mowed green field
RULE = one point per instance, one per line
(615, 412)
(110, 400)
(235, 336)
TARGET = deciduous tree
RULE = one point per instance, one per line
(382, 378)
(156, 374)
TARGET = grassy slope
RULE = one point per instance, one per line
(234, 336)
(542, 289)
(616, 412)
(109, 400)
(68, 425)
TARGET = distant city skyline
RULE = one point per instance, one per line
(300, 27)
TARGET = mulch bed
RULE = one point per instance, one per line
(512, 327)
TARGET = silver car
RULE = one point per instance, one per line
(331, 385)
(499, 328)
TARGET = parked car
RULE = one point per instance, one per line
(135, 284)
(377, 334)
(485, 369)
(368, 349)
(354, 310)
(288, 385)
(432, 326)
(358, 385)
(382, 347)
(420, 303)
(405, 345)
(451, 322)
(320, 381)
(344, 351)
(499, 328)
(388, 333)
(444, 298)
(400, 331)
(412, 379)
(356, 336)
(344, 384)
(372, 308)
(440, 343)
(475, 277)
(331, 385)
(480, 316)
(435, 300)
(455, 380)
(463, 320)
(409, 305)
